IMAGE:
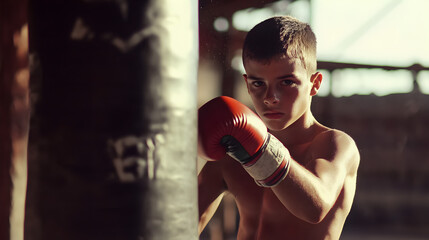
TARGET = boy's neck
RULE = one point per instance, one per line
(300, 132)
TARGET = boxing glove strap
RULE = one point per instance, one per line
(234, 149)
(273, 164)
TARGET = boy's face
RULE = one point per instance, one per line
(280, 90)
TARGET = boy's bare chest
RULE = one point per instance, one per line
(260, 210)
(252, 200)
(301, 153)
(259, 207)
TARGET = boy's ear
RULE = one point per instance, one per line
(245, 79)
(316, 80)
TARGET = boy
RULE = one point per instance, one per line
(296, 181)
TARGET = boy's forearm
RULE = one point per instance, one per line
(306, 195)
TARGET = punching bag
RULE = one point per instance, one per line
(112, 142)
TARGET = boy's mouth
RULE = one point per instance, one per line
(273, 115)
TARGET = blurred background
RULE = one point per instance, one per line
(374, 59)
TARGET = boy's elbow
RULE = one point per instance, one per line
(316, 218)
(317, 214)
(320, 209)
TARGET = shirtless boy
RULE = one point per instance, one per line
(291, 177)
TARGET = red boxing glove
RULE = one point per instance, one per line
(227, 126)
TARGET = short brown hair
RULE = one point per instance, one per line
(281, 36)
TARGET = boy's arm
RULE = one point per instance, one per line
(211, 188)
(310, 191)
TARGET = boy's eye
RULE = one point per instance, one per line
(257, 83)
(288, 82)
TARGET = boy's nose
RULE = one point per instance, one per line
(271, 98)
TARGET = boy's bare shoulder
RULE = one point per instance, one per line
(333, 135)
(333, 144)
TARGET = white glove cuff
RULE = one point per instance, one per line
(273, 164)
